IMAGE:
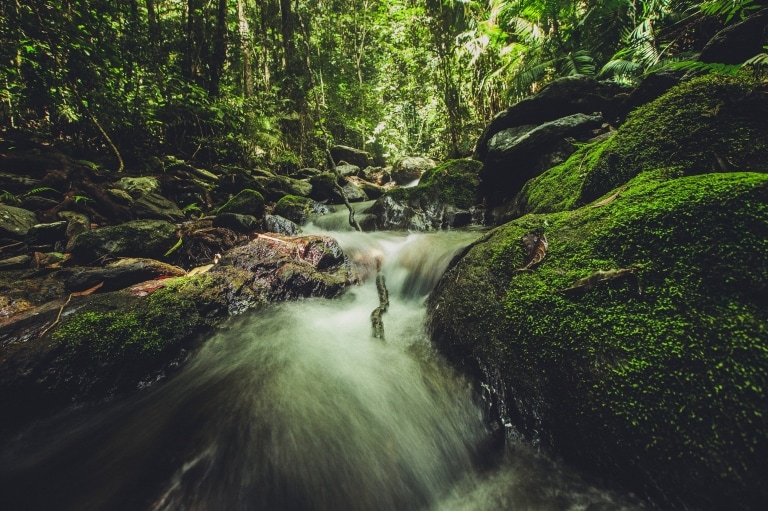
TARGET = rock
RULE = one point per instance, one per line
(371, 190)
(44, 237)
(702, 125)
(139, 238)
(516, 155)
(348, 170)
(305, 173)
(236, 222)
(274, 188)
(15, 263)
(738, 42)
(560, 98)
(118, 274)
(377, 175)
(652, 86)
(354, 192)
(138, 186)
(120, 196)
(38, 203)
(15, 222)
(637, 346)
(323, 189)
(299, 209)
(247, 202)
(17, 184)
(350, 155)
(410, 169)
(280, 225)
(76, 223)
(447, 196)
(156, 207)
(112, 343)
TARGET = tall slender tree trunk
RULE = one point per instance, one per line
(245, 48)
(193, 68)
(154, 35)
(219, 50)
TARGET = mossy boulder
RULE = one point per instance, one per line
(299, 209)
(446, 196)
(140, 238)
(246, 202)
(713, 123)
(638, 347)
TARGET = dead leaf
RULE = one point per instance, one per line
(536, 246)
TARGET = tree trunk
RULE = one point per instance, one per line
(245, 48)
(154, 36)
(193, 69)
(219, 50)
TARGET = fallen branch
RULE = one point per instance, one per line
(69, 299)
(376, 316)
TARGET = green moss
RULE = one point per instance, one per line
(455, 182)
(246, 202)
(711, 123)
(559, 188)
(116, 327)
(645, 375)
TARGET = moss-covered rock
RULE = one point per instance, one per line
(639, 346)
(445, 197)
(713, 123)
(299, 209)
(140, 238)
(247, 202)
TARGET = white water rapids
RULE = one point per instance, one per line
(296, 407)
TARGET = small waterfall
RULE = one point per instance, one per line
(296, 407)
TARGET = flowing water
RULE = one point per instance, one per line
(297, 407)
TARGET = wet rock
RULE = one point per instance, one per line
(604, 374)
(447, 196)
(44, 237)
(410, 169)
(324, 189)
(377, 175)
(236, 222)
(371, 190)
(139, 238)
(348, 170)
(38, 203)
(154, 206)
(17, 184)
(76, 223)
(354, 192)
(280, 225)
(138, 186)
(15, 222)
(350, 155)
(247, 202)
(299, 209)
(276, 187)
(305, 173)
(118, 274)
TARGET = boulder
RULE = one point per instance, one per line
(299, 209)
(113, 343)
(738, 42)
(713, 123)
(347, 170)
(15, 222)
(247, 202)
(560, 98)
(324, 189)
(447, 196)
(118, 274)
(236, 222)
(410, 168)
(139, 238)
(274, 188)
(156, 207)
(44, 237)
(350, 155)
(280, 225)
(138, 186)
(518, 154)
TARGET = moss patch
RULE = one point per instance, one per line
(659, 377)
(711, 123)
(247, 202)
(455, 182)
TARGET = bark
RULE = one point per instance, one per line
(219, 49)
(245, 49)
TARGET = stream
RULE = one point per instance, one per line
(296, 407)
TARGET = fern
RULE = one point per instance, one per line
(728, 8)
(36, 191)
